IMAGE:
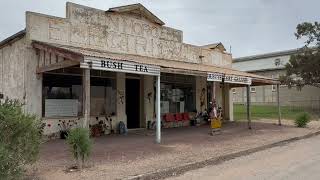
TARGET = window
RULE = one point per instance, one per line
(234, 90)
(273, 87)
(62, 95)
(277, 62)
(177, 93)
(253, 89)
(103, 96)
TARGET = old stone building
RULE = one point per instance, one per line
(272, 65)
(121, 63)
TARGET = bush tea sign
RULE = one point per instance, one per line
(107, 64)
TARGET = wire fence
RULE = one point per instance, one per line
(289, 108)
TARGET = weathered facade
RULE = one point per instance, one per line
(272, 65)
(96, 63)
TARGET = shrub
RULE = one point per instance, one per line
(80, 144)
(20, 137)
(302, 120)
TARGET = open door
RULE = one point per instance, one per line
(133, 103)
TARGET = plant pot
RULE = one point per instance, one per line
(63, 134)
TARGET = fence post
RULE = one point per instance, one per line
(278, 101)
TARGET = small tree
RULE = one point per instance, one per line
(80, 144)
(20, 137)
(304, 66)
(302, 120)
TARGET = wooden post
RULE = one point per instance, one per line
(278, 101)
(158, 121)
(248, 107)
(86, 97)
(223, 101)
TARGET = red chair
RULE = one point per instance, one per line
(168, 117)
(178, 118)
(186, 116)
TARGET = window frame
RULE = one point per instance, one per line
(253, 91)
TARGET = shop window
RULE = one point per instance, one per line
(177, 94)
(62, 95)
(103, 96)
(253, 89)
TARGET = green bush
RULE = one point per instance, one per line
(302, 120)
(20, 137)
(80, 144)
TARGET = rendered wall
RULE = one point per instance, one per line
(201, 93)
(148, 96)
(118, 33)
(1, 71)
(18, 79)
(13, 70)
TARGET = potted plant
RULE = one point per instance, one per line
(65, 126)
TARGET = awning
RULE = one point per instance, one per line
(82, 56)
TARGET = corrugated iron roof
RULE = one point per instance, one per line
(12, 38)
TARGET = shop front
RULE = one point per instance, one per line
(121, 65)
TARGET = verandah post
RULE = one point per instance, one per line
(158, 121)
(86, 97)
(248, 107)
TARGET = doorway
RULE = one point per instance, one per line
(133, 103)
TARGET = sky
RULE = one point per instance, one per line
(247, 27)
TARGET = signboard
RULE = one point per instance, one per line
(237, 79)
(218, 77)
(107, 64)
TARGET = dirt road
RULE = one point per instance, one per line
(298, 160)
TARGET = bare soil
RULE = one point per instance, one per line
(119, 157)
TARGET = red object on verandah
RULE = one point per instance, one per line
(178, 117)
(186, 116)
(168, 117)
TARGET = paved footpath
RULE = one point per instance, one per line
(297, 160)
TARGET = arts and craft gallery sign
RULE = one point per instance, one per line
(219, 77)
(107, 64)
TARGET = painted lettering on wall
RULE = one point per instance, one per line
(112, 32)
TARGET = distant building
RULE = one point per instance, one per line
(272, 65)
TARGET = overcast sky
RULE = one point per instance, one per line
(248, 26)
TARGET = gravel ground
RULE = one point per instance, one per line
(294, 161)
(118, 157)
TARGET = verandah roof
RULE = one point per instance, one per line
(76, 55)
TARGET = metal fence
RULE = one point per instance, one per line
(310, 106)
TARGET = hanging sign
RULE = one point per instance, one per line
(219, 77)
(107, 64)
(237, 79)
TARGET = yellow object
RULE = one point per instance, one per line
(215, 123)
